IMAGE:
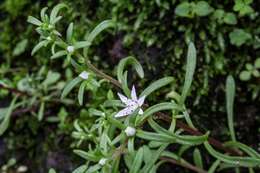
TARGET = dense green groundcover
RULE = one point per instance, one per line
(226, 35)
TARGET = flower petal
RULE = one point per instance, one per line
(126, 111)
(133, 93)
(123, 98)
(141, 100)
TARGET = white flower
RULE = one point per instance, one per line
(131, 104)
(70, 49)
(84, 75)
(102, 161)
(130, 131)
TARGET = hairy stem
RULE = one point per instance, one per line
(102, 74)
(99, 72)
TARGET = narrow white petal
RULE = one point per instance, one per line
(123, 98)
(141, 100)
(126, 111)
(141, 112)
(133, 93)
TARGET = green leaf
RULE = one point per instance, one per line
(52, 77)
(182, 149)
(190, 69)
(113, 103)
(224, 166)
(116, 123)
(155, 167)
(251, 152)
(86, 155)
(156, 85)
(129, 61)
(55, 12)
(70, 86)
(81, 93)
(95, 112)
(148, 154)
(34, 21)
(55, 21)
(3, 112)
(155, 137)
(214, 166)
(245, 75)
(137, 163)
(235, 160)
(115, 165)
(256, 73)
(41, 111)
(155, 157)
(93, 169)
(156, 108)
(188, 119)
(248, 2)
(124, 83)
(130, 145)
(59, 54)
(39, 46)
(251, 170)
(239, 37)
(43, 14)
(230, 18)
(230, 95)
(97, 30)
(181, 139)
(257, 63)
(197, 158)
(104, 141)
(202, 8)
(184, 9)
(20, 47)
(69, 33)
(81, 169)
(5, 123)
(246, 10)
(249, 67)
(81, 44)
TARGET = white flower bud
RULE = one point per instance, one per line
(49, 38)
(84, 75)
(102, 161)
(22, 168)
(130, 131)
(70, 49)
(140, 112)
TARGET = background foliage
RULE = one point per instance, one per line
(226, 35)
